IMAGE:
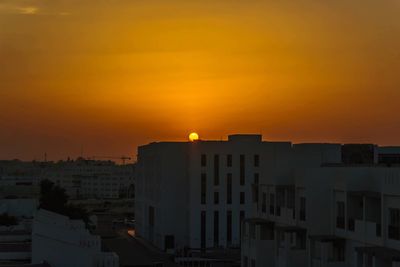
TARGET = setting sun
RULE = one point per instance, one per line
(193, 137)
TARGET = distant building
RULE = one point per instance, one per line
(15, 230)
(81, 178)
(63, 242)
(195, 195)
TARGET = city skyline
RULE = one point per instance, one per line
(106, 78)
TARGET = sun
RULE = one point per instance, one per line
(193, 137)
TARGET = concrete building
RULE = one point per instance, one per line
(196, 194)
(15, 230)
(327, 216)
(63, 242)
(81, 178)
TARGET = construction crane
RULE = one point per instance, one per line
(123, 158)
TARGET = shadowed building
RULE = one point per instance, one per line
(195, 195)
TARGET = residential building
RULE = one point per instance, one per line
(81, 178)
(331, 215)
(63, 242)
(195, 195)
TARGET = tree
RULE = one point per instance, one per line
(53, 198)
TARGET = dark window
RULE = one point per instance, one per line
(229, 227)
(242, 169)
(272, 204)
(245, 261)
(203, 230)
(338, 251)
(229, 188)
(203, 188)
(151, 216)
(169, 242)
(256, 160)
(253, 263)
(242, 198)
(203, 160)
(242, 215)
(256, 187)
(264, 203)
(394, 224)
(229, 160)
(216, 169)
(267, 233)
(351, 225)
(216, 198)
(340, 215)
(302, 208)
(216, 229)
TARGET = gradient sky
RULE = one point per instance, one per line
(107, 76)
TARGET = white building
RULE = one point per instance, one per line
(81, 178)
(196, 194)
(15, 236)
(334, 215)
(64, 243)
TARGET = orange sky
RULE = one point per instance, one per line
(110, 75)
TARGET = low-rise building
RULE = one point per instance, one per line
(63, 242)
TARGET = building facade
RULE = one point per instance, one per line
(63, 242)
(331, 215)
(196, 194)
(81, 178)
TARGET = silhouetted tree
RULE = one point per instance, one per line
(54, 198)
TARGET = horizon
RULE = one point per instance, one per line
(133, 157)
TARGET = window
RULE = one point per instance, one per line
(203, 160)
(216, 169)
(216, 229)
(242, 216)
(394, 224)
(340, 216)
(338, 251)
(242, 169)
(245, 261)
(229, 227)
(242, 198)
(151, 216)
(169, 241)
(256, 187)
(256, 160)
(253, 263)
(256, 178)
(264, 203)
(216, 198)
(229, 188)
(302, 208)
(229, 160)
(203, 188)
(272, 204)
(267, 233)
(203, 230)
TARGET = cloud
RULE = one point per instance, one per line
(9, 8)
(29, 10)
